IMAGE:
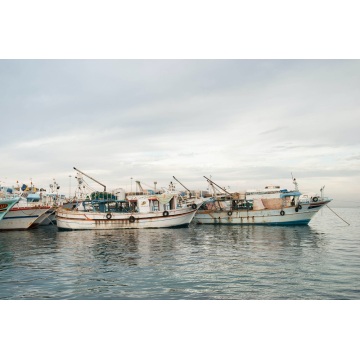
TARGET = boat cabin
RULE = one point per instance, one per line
(102, 202)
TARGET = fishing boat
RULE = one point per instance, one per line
(120, 210)
(23, 216)
(6, 204)
(134, 212)
(27, 212)
(270, 206)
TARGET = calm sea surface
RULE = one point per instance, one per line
(319, 261)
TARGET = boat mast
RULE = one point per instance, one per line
(183, 185)
(90, 178)
(211, 182)
(138, 186)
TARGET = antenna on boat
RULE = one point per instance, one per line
(90, 178)
(223, 189)
(182, 185)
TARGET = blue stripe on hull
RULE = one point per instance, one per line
(299, 222)
(20, 217)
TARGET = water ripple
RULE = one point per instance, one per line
(320, 261)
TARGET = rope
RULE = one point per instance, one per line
(31, 214)
(337, 215)
(50, 219)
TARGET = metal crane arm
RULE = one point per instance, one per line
(90, 178)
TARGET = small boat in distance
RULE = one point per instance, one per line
(271, 206)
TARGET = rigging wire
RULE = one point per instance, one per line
(337, 214)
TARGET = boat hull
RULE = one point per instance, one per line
(49, 220)
(22, 218)
(288, 216)
(43, 219)
(80, 220)
(6, 205)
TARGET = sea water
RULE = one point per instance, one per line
(318, 261)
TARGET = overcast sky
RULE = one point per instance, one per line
(247, 123)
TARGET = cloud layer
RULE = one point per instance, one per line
(245, 122)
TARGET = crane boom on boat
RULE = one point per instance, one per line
(183, 185)
(221, 188)
(90, 178)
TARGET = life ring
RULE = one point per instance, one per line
(315, 199)
(108, 216)
(131, 219)
(282, 212)
(194, 206)
(299, 207)
(165, 213)
(229, 213)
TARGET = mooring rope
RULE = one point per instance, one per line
(337, 215)
(51, 222)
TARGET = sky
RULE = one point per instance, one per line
(245, 123)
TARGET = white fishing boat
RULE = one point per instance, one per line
(121, 210)
(6, 204)
(134, 212)
(22, 217)
(27, 212)
(271, 206)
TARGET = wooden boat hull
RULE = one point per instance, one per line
(81, 220)
(286, 216)
(22, 218)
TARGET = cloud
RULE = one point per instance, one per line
(354, 157)
(242, 121)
